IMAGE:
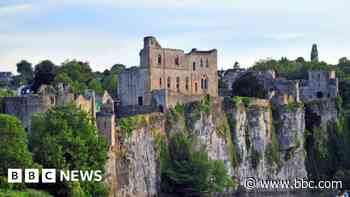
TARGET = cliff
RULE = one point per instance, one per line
(253, 138)
(134, 168)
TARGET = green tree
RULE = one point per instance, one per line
(117, 68)
(14, 151)
(186, 168)
(110, 78)
(26, 72)
(4, 93)
(96, 86)
(77, 71)
(66, 138)
(45, 73)
(110, 83)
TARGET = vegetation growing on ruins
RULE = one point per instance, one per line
(206, 104)
(224, 130)
(249, 86)
(176, 116)
(3, 94)
(272, 151)
(130, 123)
(242, 99)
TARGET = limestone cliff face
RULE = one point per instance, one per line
(291, 139)
(324, 126)
(270, 141)
(134, 165)
(254, 139)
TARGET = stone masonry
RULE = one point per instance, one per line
(181, 74)
(319, 85)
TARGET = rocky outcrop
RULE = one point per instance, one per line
(253, 138)
(290, 128)
(133, 166)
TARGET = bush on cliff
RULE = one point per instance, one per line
(66, 138)
(186, 168)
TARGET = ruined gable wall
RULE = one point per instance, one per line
(105, 123)
(132, 84)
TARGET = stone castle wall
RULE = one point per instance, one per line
(320, 85)
(24, 107)
(191, 74)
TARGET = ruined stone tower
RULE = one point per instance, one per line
(314, 53)
(168, 76)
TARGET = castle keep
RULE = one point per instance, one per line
(168, 76)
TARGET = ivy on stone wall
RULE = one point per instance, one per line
(273, 148)
(237, 100)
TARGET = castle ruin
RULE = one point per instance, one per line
(168, 76)
(319, 85)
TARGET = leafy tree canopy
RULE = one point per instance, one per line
(45, 73)
(66, 138)
(25, 69)
(186, 168)
(14, 151)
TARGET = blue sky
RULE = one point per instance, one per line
(105, 32)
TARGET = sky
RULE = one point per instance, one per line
(106, 32)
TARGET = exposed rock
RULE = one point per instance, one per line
(136, 164)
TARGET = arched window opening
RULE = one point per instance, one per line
(187, 83)
(177, 61)
(194, 66)
(195, 87)
(160, 82)
(201, 62)
(207, 63)
(168, 82)
(159, 59)
(204, 82)
(178, 84)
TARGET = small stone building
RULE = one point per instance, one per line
(320, 85)
(168, 76)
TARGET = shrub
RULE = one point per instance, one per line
(66, 138)
(186, 168)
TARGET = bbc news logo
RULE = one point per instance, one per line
(52, 175)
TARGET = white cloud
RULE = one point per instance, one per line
(15, 9)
